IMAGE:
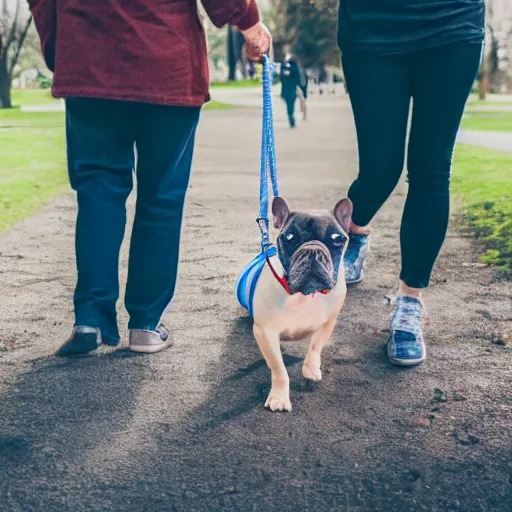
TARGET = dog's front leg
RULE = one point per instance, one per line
(269, 343)
(311, 367)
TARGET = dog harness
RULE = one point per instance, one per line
(248, 278)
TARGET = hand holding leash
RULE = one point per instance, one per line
(258, 41)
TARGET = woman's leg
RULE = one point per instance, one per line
(442, 81)
(380, 92)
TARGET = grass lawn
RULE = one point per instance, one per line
(487, 103)
(482, 181)
(33, 164)
(256, 82)
(32, 97)
(33, 159)
(217, 105)
(493, 121)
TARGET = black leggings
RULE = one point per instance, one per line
(381, 87)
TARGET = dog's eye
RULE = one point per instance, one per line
(289, 237)
(337, 239)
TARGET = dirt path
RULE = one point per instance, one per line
(185, 430)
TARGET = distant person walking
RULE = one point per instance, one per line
(302, 92)
(290, 81)
(133, 73)
(428, 51)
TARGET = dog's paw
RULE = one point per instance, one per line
(313, 374)
(278, 402)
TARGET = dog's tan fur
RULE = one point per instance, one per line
(282, 317)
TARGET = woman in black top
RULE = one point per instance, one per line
(394, 51)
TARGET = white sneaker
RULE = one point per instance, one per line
(149, 342)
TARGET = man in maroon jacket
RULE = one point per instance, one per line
(133, 72)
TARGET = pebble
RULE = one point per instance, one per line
(421, 422)
(501, 338)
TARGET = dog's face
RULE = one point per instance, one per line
(311, 247)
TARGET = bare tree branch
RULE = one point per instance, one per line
(21, 40)
(12, 35)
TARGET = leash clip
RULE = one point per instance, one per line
(263, 224)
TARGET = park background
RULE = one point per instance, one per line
(186, 429)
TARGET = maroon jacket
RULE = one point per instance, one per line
(151, 51)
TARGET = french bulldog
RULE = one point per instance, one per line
(300, 291)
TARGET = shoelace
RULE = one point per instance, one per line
(163, 331)
(408, 316)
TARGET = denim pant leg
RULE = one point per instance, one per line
(165, 144)
(100, 160)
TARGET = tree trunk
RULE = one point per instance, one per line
(231, 55)
(483, 86)
(5, 86)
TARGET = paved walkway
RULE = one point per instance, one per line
(500, 141)
(185, 430)
(490, 108)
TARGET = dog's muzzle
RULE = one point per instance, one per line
(311, 269)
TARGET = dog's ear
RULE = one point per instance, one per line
(343, 213)
(280, 212)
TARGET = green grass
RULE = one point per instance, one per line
(488, 121)
(33, 163)
(239, 85)
(488, 103)
(482, 181)
(33, 160)
(217, 105)
(32, 97)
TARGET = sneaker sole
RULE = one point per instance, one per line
(357, 281)
(406, 362)
(150, 349)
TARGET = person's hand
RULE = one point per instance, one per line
(258, 41)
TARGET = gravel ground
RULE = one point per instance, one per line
(186, 430)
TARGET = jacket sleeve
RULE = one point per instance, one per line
(242, 13)
(45, 19)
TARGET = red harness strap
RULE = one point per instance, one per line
(282, 280)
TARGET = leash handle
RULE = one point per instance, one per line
(268, 155)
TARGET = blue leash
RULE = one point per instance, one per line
(246, 283)
(268, 155)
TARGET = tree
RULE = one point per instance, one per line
(310, 26)
(217, 48)
(14, 27)
(496, 70)
(313, 25)
(274, 16)
(235, 44)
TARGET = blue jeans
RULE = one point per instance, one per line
(101, 135)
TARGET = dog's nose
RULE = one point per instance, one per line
(318, 253)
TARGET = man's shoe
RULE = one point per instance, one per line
(406, 346)
(83, 339)
(357, 251)
(149, 342)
